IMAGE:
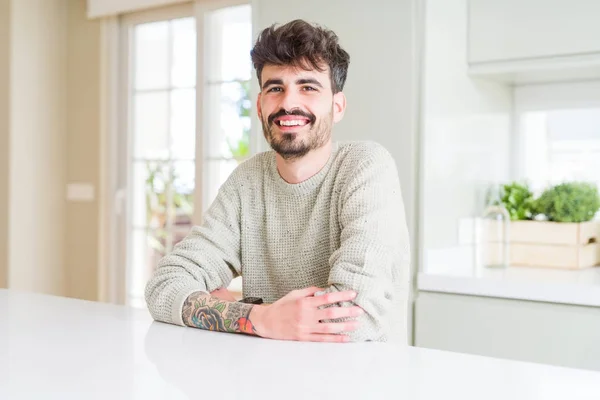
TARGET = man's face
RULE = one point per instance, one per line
(297, 109)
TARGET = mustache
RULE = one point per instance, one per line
(282, 113)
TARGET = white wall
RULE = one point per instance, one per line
(466, 126)
(37, 144)
(381, 87)
(82, 224)
(381, 84)
(4, 136)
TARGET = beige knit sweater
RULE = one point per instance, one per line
(344, 228)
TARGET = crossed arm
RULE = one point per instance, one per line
(296, 316)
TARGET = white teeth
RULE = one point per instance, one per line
(292, 122)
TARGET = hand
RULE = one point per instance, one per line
(223, 294)
(297, 316)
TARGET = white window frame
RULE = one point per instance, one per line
(108, 267)
(115, 116)
(546, 97)
(202, 9)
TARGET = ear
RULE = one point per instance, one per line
(258, 109)
(339, 106)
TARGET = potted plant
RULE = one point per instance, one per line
(518, 201)
(555, 230)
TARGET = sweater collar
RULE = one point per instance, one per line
(306, 186)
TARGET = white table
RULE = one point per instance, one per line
(52, 347)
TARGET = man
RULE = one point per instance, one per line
(316, 229)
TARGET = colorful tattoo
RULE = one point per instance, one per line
(203, 311)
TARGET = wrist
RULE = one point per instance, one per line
(223, 294)
(258, 318)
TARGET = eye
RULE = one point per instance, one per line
(275, 89)
(309, 88)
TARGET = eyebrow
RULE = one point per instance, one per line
(270, 82)
(312, 81)
(301, 81)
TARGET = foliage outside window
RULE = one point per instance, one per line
(163, 179)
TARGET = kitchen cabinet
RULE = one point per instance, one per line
(511, 30)
(549, 333)
(534, 41)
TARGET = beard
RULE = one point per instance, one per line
(293, 145)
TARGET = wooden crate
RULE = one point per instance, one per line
(553, 256)
(554, 244)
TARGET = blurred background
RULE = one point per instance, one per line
(119, 120)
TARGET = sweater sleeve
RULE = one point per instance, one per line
(373, 258)
(205, 260)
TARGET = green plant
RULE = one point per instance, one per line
(518, 201)
(241, 148)
(569, 202)
(159, 182)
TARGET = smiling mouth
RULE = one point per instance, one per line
(284, 123)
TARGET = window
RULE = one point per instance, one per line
(545, 134)
(177, 153)
(227, 96)
(561, 145)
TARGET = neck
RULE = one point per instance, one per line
(300, 169)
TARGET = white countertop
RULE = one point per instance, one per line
(453, 271)
(58, 348)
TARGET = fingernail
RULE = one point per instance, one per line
(354, 294)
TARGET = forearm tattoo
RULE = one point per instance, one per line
(203, 311)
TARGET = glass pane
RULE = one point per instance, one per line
(151, 57)
(559, 146)
(217, 172)
(183, 70)
(573, 145)
(183, 124)
(229, 32)
(138, 251)
(150, 125)
(147, 248)
(157, 185)
(228, 130)
(139, 205)
(182, 207)
(149, 182)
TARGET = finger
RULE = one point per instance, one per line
(330, 298)
(339, 312)
(309, 291)
(319, 337)
(335, 327)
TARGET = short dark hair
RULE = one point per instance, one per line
(300, 44)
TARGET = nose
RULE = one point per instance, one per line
(290, 100)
